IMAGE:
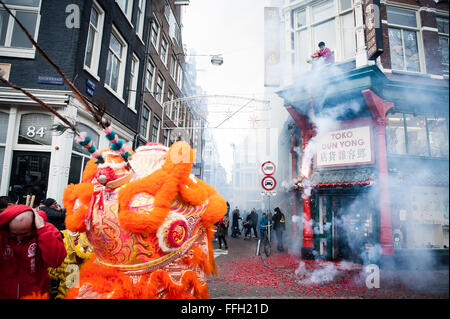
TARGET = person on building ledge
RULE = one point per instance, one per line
(323, 53)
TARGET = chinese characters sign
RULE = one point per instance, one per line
(374, 36)
(345, 147)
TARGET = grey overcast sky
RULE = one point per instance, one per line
(235, 29)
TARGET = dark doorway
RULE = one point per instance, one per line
(354, 227)
(29, 176)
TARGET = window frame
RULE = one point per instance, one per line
(148, 121)
(158, 33)
(134, 77)
(152, 81)
(122, 66)
(140, 12)
(405, 128)
(159, 95)
(443, 35)
(128, 11)
(419, 38)
(96, 50)
(155, 139)
(17, 52)
(309, 28)
(164, 59)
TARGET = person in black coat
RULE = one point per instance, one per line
(235, 223)
(55, 214)
(279, 225)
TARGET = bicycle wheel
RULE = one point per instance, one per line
(267, 248)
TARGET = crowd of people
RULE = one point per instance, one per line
(254, 222)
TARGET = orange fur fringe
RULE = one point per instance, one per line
(117, 285)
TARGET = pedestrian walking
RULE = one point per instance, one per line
(254, 218)
(28, 247)
(235, 223)
(222, 227)
(279, 226)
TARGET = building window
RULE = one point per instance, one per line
(442, 24)
(94, 39)
(170, 96)
(438, 136)
(180, 76)
(403, 44)
(330, 21)
(150, 77)
(173, 67)
(140, 17)
(115, 68)
(159, 89)
(417, 135)
(132, 93)
(143, 130)
(164, 49)
(34, 129)
(13, 41)
(126, 6)
(165, 136)
(155, 130)
(80, 156)
(154, 34)
(396, 141)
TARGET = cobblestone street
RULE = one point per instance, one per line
(242, 274)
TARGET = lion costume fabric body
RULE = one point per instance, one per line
(150, 223)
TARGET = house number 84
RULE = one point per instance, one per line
(31, 131)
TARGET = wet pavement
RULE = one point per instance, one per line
(285, 275)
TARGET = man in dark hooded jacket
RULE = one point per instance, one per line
(28, 246)
(55, 214)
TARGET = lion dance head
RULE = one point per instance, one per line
(150, 223)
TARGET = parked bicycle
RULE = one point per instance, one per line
(266, 241)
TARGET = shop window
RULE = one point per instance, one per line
(420, 219)
(438, 135)
(442, 24)
(13, 41)
(395, 134)
(90, 132)
(4, 118)
(35, 129)
(403, 42)
(323, 10)
(417, 135)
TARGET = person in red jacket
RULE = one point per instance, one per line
(324, 53)
(28, 246)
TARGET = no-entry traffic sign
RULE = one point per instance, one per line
(269, 183)
(268, 168)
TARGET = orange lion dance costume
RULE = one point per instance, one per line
(150, 223)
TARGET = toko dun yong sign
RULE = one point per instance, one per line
(345, 147)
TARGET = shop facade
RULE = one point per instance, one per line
(377, 185)
(35, 160)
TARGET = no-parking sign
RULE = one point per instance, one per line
(269, 183)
